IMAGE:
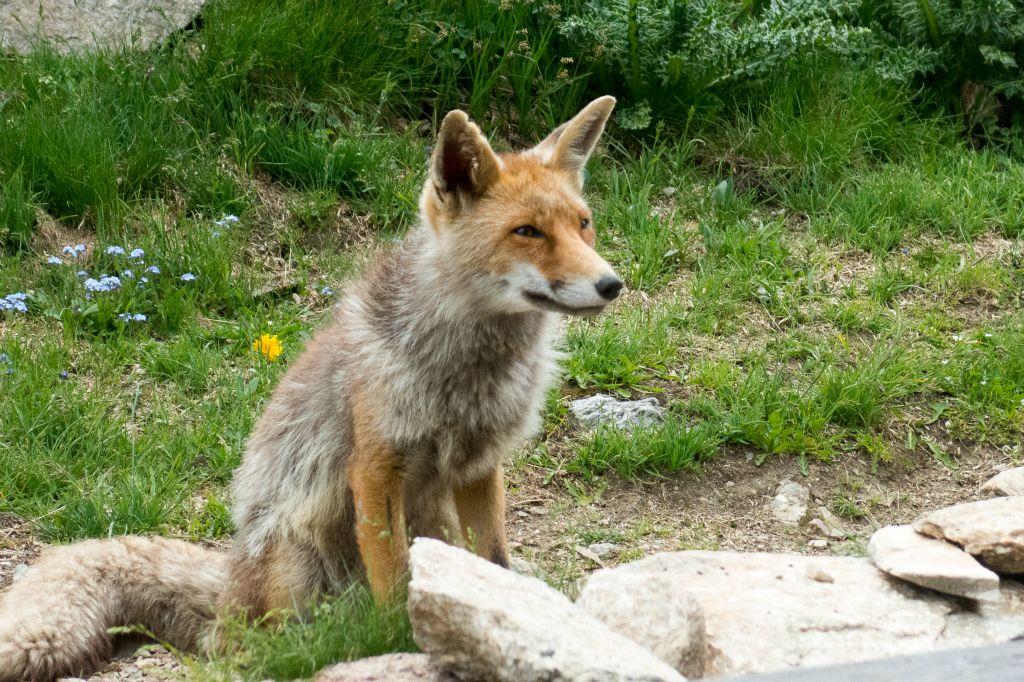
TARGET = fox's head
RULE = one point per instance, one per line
(514, 228)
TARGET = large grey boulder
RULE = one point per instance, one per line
(991, 530)
(904, 553)
(655, 611)
(386, 668)
(624, 414)
(484, 622)
(766, 612)
(1008, 483)
(83, 25)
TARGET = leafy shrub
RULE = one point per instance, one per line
(969, 53)
(673, 55)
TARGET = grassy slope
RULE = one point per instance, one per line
(826, 274)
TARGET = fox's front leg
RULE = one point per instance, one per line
(374, 476)
(481, 507)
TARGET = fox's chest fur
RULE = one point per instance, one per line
(456, 387)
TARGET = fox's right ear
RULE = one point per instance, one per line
(463, 161)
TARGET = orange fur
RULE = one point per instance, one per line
(375, 478)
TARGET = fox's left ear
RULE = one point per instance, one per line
(569, 145)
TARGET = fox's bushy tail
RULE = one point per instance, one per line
(54, 620)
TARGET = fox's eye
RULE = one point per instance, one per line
(528, 231)
(584, 223)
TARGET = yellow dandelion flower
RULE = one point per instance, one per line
(269, 345)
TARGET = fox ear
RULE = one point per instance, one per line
(569, 145)
(463, 161)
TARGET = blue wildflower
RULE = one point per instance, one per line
(64, 376)
(143, 280)
(114, 251)
(188, 277)
(137, 253)
(104, 283)
(153, 269)
(81, 273)
(4, 358)
(130, 317)
(53, 260)
(15, 301)
(70, 250)
(215, 234)
(327, 291)
(128, 273)
(230, 218)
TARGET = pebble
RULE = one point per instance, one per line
(604, 549)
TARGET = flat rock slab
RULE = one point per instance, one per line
(904, 553)
(484, 622)
(767, 612)
(991, 530)
(84, 25)
(1007, 483)
(624, 414)
(386, 668)
(653, 610)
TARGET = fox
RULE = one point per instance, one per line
(394, 422)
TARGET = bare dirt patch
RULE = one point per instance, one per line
(728, 506)
(51, 236)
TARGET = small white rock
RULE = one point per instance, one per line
(817, 544)
(790, 502)
(604, 549)
(836, 529)
(624, 414)
(819, 527)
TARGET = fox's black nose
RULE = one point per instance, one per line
(609, 287)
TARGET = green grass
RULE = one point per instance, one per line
(819, 266)
(17, 215)
(621, 352)
(343, 628)
(671, 447)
